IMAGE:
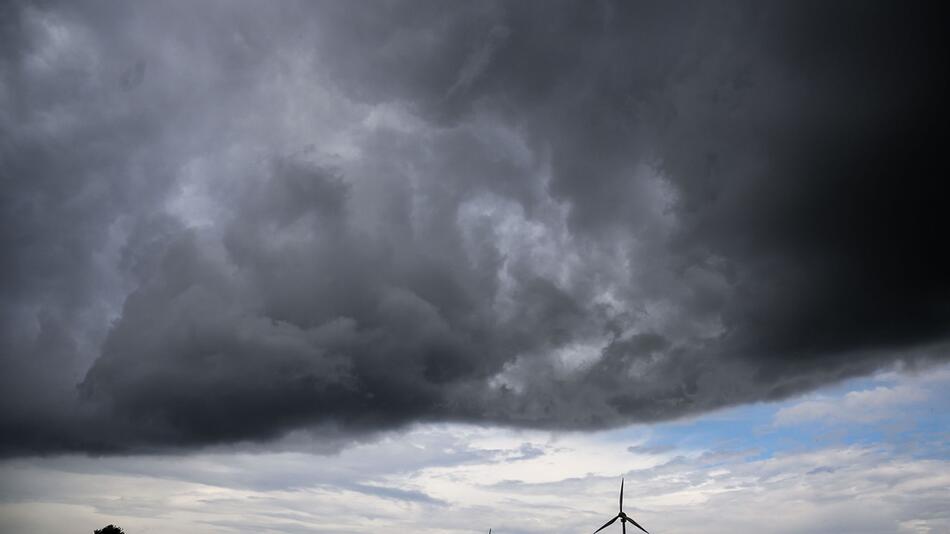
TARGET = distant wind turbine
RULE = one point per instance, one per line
(624, 519)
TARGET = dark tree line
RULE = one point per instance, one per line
(110, 529)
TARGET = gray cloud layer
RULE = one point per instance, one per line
(222, 222)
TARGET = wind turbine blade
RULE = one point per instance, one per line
(621, 494)
(637, 525)
(607, 524)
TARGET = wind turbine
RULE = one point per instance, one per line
(624, 519)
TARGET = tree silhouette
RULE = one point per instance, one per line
(110, 529)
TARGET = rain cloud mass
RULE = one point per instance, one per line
(227, 221)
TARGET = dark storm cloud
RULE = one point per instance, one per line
(225, 222)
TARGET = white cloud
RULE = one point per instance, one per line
(857, 406)
(453, 478)
(886, 400)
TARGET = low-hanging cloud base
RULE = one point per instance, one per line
(223, 223)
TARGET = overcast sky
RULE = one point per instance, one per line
(328, 266)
